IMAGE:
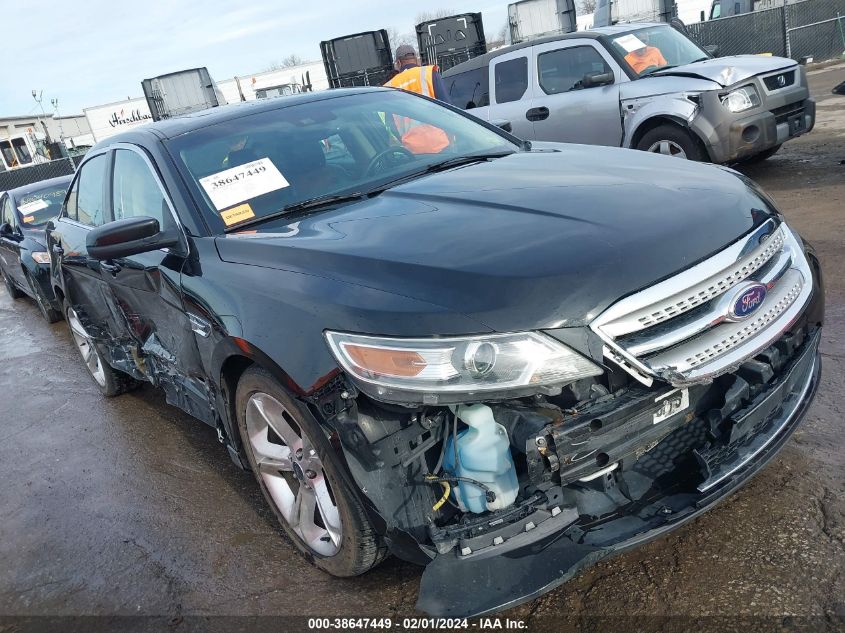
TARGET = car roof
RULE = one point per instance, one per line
(592, 34)
(41, 184)
(169, 128)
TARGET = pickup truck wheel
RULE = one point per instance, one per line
(671, 140)
(109, 381)
(302, 479)
(14, 291)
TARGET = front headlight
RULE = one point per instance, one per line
(457, 369)
(741, 99)
(41, 257)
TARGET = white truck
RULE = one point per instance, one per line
(530, 19)
(113, 118)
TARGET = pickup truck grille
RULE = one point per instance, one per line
(682, 329)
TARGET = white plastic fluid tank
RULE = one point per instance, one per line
(484, 455)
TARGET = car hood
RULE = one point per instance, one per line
(531, 241)
(727, 71)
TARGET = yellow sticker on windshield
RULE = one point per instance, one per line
(28, 219)
(237, 214)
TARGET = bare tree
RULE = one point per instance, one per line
(292, 60)
(497, 40)
(398, 39)
(425, 16)
(587, 6)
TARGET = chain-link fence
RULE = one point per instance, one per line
(815, 28)
(812, 28)
(35, 173)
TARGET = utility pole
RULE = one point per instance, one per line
(55, 103)
(38, 96)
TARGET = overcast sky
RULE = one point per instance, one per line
(92, 52)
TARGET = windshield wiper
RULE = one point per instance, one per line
(651, 72)
(312, 204)
(443, 165)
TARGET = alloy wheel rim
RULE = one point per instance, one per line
(293, 473)
(668, 148)
(87, 348)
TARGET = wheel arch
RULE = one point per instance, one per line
(656, 121)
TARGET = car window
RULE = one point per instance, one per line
(39, 206)
(8, 154)
(22, 151)
(511, 79)
(6, 214)
(135, 192)
(86, 203)
(564, 69)
(716, 11)
(470, 89)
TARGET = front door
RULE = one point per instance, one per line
(576, 113)
(146, 290)
(84, 209)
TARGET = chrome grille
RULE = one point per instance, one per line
(680, 328)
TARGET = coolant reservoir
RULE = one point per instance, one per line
(484, 455)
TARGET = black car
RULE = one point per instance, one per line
(426, 337)
(24, 260)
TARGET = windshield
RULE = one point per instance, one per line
(258, 165)
(649, 49)
(40, 206)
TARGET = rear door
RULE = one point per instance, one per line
(145, 289)
(573, 113)
(510, 91)
(10, 245)
(84, 209)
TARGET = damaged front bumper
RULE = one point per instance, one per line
(627, 506)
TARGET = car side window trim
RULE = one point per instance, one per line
(568, 49)
(63, 215)
(156, 177)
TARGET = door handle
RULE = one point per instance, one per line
(537, 114)
(112, 268)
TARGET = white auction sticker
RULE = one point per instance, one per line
(630, 43)
(244, 182)
(32, 207)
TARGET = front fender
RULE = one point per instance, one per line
(637, 112)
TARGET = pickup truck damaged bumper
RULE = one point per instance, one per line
(537, 560)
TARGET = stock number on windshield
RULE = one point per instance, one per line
(241, 175)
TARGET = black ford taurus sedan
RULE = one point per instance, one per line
(24, 261)
(423, 336)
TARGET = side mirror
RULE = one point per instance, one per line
(503, 124)
(591, 80)
(5, 230)
(131, 236)
(712, 50)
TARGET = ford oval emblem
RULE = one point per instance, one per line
(747, 301)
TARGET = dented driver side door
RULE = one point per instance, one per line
(146, 290)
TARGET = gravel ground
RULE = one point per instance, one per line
(127, 507)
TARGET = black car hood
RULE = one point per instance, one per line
(533, 240)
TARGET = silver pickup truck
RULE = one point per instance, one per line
(642, 86)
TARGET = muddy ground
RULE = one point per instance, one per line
(128, 507)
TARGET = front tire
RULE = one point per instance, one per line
(302, 478)
(671, 140)
(109, 381)
(11, 288)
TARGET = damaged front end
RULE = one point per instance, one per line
(608, 460)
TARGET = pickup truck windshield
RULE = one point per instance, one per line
(263, 164)
(649, 49)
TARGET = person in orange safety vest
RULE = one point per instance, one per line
(645, 57)
(418, 138)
